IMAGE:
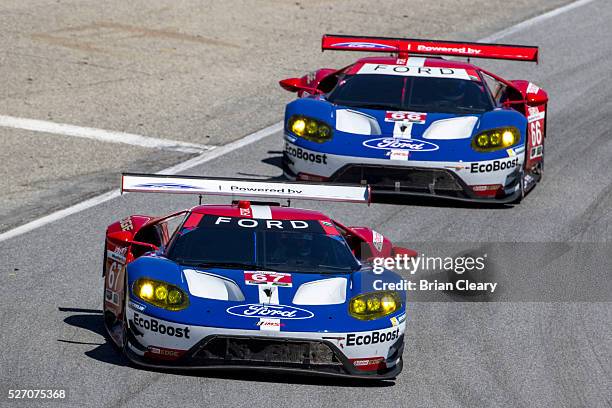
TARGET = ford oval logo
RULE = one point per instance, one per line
(390, 143)
(270, 311)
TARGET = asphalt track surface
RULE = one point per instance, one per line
(458, 353)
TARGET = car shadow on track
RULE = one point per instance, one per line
(91, 319)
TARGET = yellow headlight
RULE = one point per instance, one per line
(298, 127)
(508, 138)
(359, 306)
(496, 139)
(482, 140)
(388, 303)
(310, 129)
(374, 305)
(160, 294)
(146, 291)
(174, 297)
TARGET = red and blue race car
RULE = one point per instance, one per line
(416, 124)
(252, 284)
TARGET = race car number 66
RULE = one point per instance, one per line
(36, 394)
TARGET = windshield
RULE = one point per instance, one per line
(420, 94)
(276, 245)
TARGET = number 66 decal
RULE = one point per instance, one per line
(536, 131)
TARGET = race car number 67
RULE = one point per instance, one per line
(260, 277)
(112, 275)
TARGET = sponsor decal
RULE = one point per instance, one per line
(400, 116)
(126, 224)
(270, 323)
(155, 326)
(136, 306)
(399, 155)
(533, 114)
(533, 88)
(163, 353)
(301, 154)
(407, 70)
(377, 240)
(112, 297)
(171, 186)
(536, 152)
(399, 319)
(245, 212)
(329, 228)
(375, 337)
(362, 44)
(411, 145)
(267, 278)
(369, 364)
(270, 311)
(118, 254)
(260, 223)
(495, 165)
(278, 190)
(452, 50)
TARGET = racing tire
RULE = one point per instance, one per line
(521, 188)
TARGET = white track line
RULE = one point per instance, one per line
(534, 20)
(102, 198)
(261, 134)
(100, 134)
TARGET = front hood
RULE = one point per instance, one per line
(415, 125)
(233, 298)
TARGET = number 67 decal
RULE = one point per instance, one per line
(267, 278)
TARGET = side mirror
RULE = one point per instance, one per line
(295, 85)
(125, 237)
(291, 84)
(536, 99)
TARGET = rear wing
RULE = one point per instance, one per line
(156, 183)
(405, 47)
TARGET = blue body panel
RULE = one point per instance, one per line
(213, 313)
(453, 150)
